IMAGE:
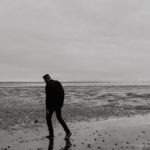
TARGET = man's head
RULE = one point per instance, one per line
(47, 77)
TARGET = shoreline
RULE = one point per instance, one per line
(28, 115)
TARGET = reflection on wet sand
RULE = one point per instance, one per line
(51, 144)
(66, 147)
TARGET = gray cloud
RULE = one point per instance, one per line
(75, 40)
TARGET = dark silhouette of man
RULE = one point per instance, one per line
(54, 102)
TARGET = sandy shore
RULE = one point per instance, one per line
(125, 133)
(108, 118)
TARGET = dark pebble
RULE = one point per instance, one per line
(36, 121)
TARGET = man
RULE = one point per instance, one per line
(54, 102)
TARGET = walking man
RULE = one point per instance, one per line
(54, 102)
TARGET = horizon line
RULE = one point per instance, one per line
(78, 81)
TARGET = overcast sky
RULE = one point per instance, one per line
(96, 40)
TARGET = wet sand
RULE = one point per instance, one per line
(125, 133)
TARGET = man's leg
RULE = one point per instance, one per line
(62, 122)
(49, 122)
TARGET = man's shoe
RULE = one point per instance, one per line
(68, 136)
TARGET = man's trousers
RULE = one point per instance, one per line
(60, 119)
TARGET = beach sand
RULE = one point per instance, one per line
(125, 133)
(105, 118)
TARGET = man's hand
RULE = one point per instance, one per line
(47, 111)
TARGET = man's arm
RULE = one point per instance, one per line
(62, 93)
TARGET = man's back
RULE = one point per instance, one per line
(54, 94)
